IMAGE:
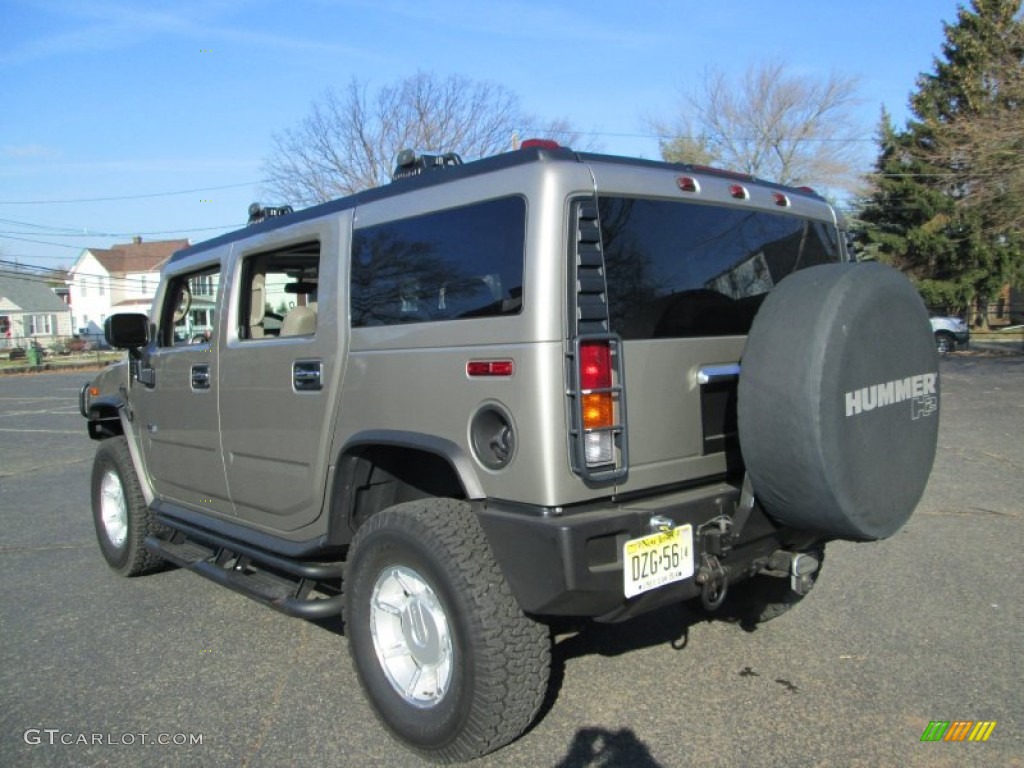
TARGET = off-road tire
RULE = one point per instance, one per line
(124, 551)
(500, 658)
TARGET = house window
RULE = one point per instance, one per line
(102, 290)
(39, 325)
(83, 290)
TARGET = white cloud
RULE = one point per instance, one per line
(105, 26)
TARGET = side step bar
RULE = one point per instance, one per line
(282, 584)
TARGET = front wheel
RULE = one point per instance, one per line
(451, 665)
(119, 511)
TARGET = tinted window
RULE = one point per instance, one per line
(454, 264)
(677, 269)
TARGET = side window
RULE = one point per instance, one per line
(279, 293)
(450, 265)
(189, 313)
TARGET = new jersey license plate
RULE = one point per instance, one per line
(656, 560)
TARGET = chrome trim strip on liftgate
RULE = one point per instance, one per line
(710, 374)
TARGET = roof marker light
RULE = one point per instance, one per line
(739, 191)
(687, 184)
(780, 200)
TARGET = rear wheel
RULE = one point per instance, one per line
(450, 663)
(945, 343)
(122, 519)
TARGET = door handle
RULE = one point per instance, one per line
(201, 376)
(306, 375)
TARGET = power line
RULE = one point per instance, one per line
(44, 274)
(41, 242)
(672, 137)
(131, 197)
(86, 233)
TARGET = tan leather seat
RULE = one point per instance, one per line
(300, 321)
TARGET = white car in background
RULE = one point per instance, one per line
(951, 333)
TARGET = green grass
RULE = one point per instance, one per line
(57, 362)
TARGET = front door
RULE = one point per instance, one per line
(177, 412)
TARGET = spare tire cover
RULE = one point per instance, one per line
(838, 401)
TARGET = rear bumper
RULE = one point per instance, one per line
(571, 564)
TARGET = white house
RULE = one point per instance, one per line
(29, 309)
(123, 278)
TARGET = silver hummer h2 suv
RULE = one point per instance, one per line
(490, 395)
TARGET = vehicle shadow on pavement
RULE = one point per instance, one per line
(665, 626)
(594, 746)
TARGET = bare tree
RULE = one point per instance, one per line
(350, 139)
(795, 129)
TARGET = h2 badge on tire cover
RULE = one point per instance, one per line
(838, 401)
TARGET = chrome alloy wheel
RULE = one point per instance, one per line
(114, 509)
(411, 636)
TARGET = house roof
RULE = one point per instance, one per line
(30, 293)
(139, 256)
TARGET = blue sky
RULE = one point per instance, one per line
(119, 99)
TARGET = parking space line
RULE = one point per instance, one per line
(45, 431)
(36, 413)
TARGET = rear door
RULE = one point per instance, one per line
(280, 369)
(687, 263)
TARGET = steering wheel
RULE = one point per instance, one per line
(184, 303)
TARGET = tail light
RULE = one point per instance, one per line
(599, 418)
(598, 408)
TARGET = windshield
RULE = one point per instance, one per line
(678, 269)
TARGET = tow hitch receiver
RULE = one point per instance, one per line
(801, 572)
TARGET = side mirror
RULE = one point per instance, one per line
(127, 331)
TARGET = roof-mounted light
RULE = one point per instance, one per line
(408, 163)
(540, 144)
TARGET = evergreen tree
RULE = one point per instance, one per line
(947, 190)
(905, 221)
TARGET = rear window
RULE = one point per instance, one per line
(678, 269)
(451, 265)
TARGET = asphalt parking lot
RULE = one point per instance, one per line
(925, 626)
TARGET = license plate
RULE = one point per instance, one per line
(656, 560)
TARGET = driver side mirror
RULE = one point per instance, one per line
(127, 331)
